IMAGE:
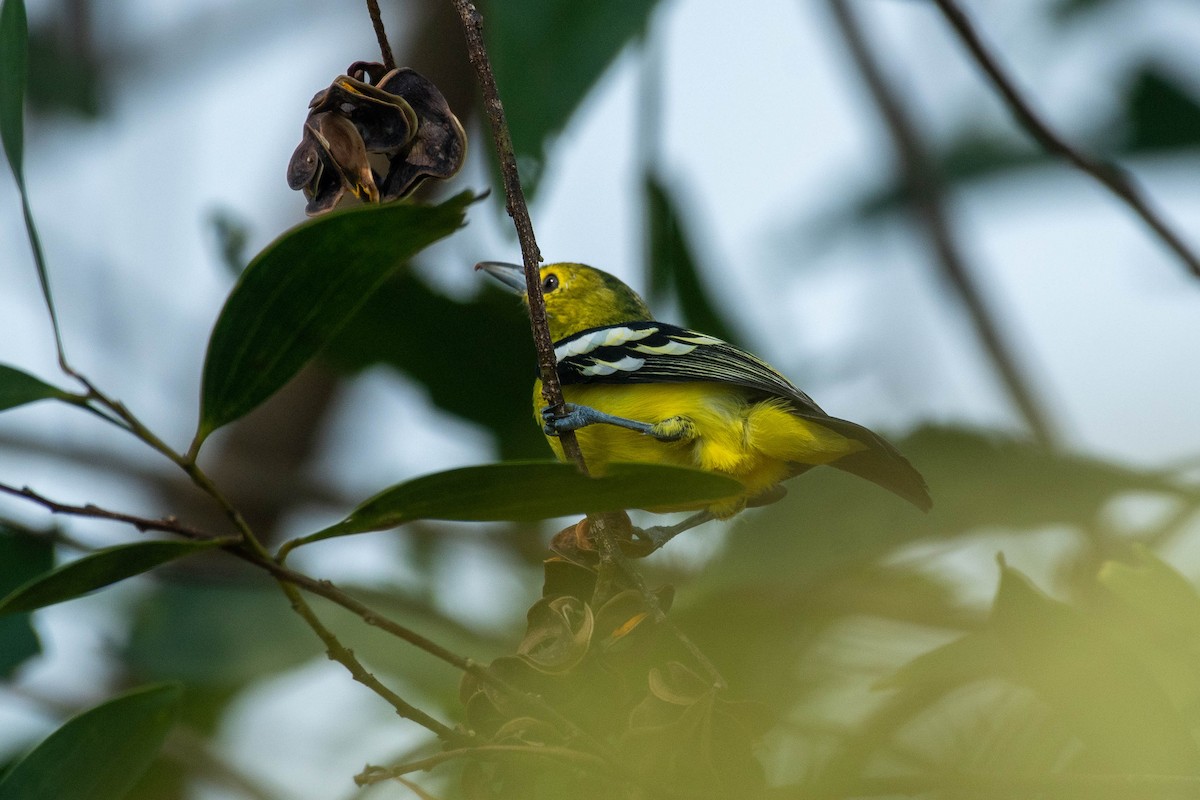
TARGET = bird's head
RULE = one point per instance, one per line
(577, 296)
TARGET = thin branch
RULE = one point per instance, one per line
(930, 204)
(164, 524)
(372, 775)
(344, 656)
(1112, 176)
(385, 49)
(514, 201)
(327, 590)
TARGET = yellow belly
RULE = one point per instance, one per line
(755, 442)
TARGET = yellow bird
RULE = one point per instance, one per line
(646, 391)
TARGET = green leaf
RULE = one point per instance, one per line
(14, 72)
(673, 269)
(377, 334)
(299, 291)
(99, 754)
(1162, 114)
(98, 570)
(548, 54)
(177, 636)
(22, 557)
(1158, 592)
(531, 490)
(18, 388)
(1101, 690)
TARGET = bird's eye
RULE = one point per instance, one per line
(550, 283)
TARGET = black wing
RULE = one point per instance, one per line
(654, 352)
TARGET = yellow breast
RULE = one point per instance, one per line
(756, 441)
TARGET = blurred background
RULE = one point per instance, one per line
(1017, 331)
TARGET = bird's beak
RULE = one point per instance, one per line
(511, 275)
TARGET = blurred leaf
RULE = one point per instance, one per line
(14, 72)
(299, 291)
(99, 754)
(978, 479)
(21, 558)
(1155, 612)
(482, 384)
(1158, 592)
(63, 76)
(673, 269)
(1103, 692)
(97, 570)
(790, 571)
(528, 491)
(231, 233)
(18, 388)
(1068, 10)
(547, 55)
(973, 155)
(216, 636)
(1161, 115)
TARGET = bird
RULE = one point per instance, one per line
(640, 390)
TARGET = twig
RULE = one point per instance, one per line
(372, 775)
(344, 656)
(415, 789)
(930, 204)
(327, 590)
(1112, 176)
(165, 524)
(385, 49)
(514, 201)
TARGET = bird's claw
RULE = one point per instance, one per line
(557, 420)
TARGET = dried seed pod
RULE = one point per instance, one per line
(398, 116)
(329, 160)
(440, 145)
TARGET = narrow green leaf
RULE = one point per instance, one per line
(99, 754)
(531, 490)
(18, 388)
(22, 556)
(298, 292)
(98, 570)
(14, 72)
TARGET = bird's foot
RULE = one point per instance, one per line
(654, 538)
(572, 417)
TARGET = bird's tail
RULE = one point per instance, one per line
(881, 463)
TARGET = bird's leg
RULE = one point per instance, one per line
(659, 535)
(573, 417)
